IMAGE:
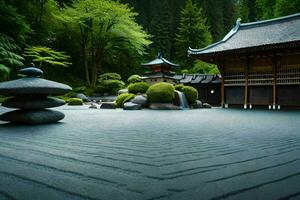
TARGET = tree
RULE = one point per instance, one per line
(103, 27)
(265, 8)
(8, 56)
(192, 32)
(286, 7)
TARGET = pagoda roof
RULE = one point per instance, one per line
(160, 60)
(198, 78)
(276, 33)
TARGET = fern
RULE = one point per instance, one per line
(48, 56)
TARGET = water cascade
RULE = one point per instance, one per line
(183, 103)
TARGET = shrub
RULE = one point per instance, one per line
(109, 76)
(109, 86)
(136, 88)
(128, 98)
(190, 93)
(80, 89)
(134, 79)
(161, 93)
(121, 98)
(75, 102)
(179, 87)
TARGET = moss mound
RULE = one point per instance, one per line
(75, 102)
(161, 93)
(190, 93)
(136, 88)
(134, 79)
(179, 87)
(123, 98)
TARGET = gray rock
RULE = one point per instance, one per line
(108, 105)
(33, 86)
(93, 106)
(198, 104)
(140, 99)
(31, 71)
(163, 106)
(132, 106)
(83, 97)
(123, 91)
(33, 102)
(32, 116)
(206, 105)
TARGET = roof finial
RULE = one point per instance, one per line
(32, 64)
(159, 55)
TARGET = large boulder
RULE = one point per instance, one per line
(206, 105)
(197, 104)
(163, 106)
(108, 105)
(141, 99)
(82, 97)
(132, 106)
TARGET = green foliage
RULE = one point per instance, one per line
(75, 102)
(109, 76)
(47, 56)
(192, 32)
(109, 83)
(3, 98)
(179, 87)
(105, 28)
(134, 79)
(13, 24)
(8, 56)
(136, 88)
(128, 98)
(204, 68)
(190, 93)
(80, 89)
(286, 7)
(121, 99)
(161, 93)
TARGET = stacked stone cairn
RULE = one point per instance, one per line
(29, 95)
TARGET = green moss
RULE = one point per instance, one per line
(75, 102)
(128, 98)
(123, 98)
(190, 93)
(134, 79)
(3, 98)
(161, 93)
(136, 88)
(179, 87)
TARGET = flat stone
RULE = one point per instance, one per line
(33, 102)
(33, 86)
(108, 105)
(31, 71)
(206, 105)
(82, 97)
(140, 99)
(132, 106)
(196, 105)
(163, 106)
(32, 116)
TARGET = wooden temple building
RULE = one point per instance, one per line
(259, 63)
(208, 85)
(159, 70)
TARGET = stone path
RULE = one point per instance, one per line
(153, 155)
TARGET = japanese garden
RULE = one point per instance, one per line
(150, 100)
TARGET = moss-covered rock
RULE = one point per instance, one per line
(190, 93)
(123, 98)
(179, 87)
(161, 93)
(137, 88)
(75, 102)
(134, 79)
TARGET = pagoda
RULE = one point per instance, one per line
(159, 70)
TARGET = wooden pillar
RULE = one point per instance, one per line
(274, 67)
(222, 87)
(246, 83)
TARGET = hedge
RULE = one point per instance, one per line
(136, 88)
(190, 93)
(161, 93)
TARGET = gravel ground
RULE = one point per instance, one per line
(153, 155)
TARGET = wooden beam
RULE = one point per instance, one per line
(247, 66)
(222, 86)
(275, 67)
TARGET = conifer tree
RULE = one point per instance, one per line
(192, 32)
